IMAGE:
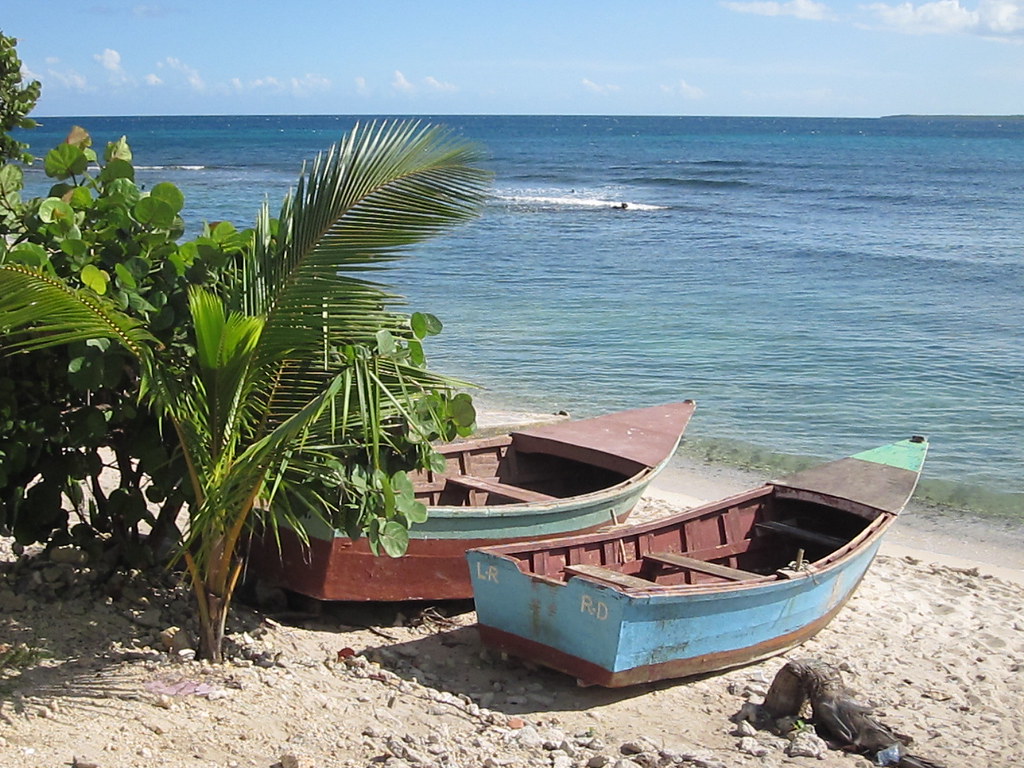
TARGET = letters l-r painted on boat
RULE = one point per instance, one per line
(490, 574)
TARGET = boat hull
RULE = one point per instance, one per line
(605, 637)
(334, 567)
(724, 584)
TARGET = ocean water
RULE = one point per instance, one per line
(819, 286)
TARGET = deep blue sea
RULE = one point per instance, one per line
(819, 286)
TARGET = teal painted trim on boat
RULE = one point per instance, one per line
(905, 454)
(523, 520)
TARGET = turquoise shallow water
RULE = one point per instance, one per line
(819, 286)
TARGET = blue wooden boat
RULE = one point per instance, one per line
(717, 586)
(549, 480)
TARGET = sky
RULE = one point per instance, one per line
(816, 58)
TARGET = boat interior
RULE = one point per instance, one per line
(756, 535)
(495, 471)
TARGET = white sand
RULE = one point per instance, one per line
(934, 637)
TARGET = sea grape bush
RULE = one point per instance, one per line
(69, 413)
(69, 416)
(295, 390)
(17, 100)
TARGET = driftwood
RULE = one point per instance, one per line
(837, 713)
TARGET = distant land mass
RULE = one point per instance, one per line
(952, 117)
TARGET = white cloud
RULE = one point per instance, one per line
(992, 18)
(437, 85)
(266, 82)
(401, 84)
(149, 11)
(1003, 16)
(298, 86)
(152, 79)
(309, 83)
(69, 79)
(593, 87)
(191, 74)
(684, 89)
(110, 60)
(361, 86)
(801, 9)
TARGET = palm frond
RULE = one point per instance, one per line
(384, 187)
(39, 311)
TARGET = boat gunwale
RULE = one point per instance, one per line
(564, 503)
(874, 530)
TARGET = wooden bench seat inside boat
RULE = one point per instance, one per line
(713, 569)
(795, 532)
(608, 575)
(495, 486)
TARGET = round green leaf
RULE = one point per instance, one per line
(52, 209)
(81, 197)
(117, 169)
(416, 354)
(425, 324)
(462, 411)
(163, 319)
(393, 538)
(31, 254)
(153, 212)
(95, 278)
(74, 247)
(125, 277)
(65, 160)
(413, 511)
(170, 194)
(118, 150)
(436, 462)
(124, 190)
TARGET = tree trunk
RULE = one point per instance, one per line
(212, 622)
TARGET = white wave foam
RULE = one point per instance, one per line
(577, 202)
(170, 167)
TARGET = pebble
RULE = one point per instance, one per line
(151, 618)
(752, 746)
(633, 748)
(745, 728)
(68, 554)
(807, 744)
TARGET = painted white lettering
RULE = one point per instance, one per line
(491, 574)
(598, 609)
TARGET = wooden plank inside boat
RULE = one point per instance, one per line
(502, 489)
(690, 563)
(607, 575)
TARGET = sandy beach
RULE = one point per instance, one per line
(934, 638)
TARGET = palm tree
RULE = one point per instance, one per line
(304, 377)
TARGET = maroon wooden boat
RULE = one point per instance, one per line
(551, 480)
